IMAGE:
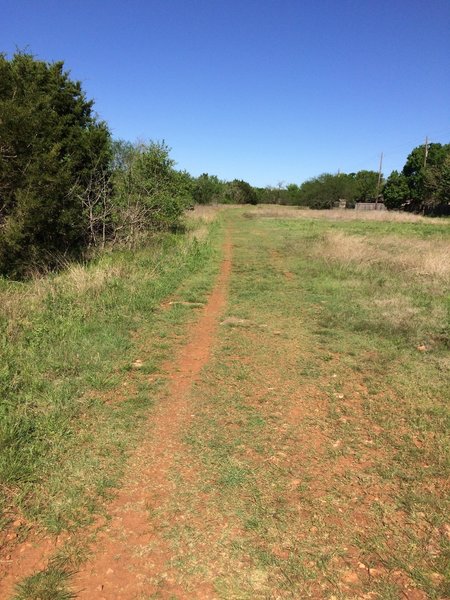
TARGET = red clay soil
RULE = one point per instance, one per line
(131, 555)
(24, 559)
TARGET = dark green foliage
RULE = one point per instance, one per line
(240, 192)
(277, 195)
(149, 194)
(51, 146)
(424, 183)
(292, 193)
(416, 171)
(396, 190)
(207, 189)
(327, 189)
(322, 191)
(364, 186)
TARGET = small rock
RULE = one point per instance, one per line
(138, 364)
(110, 571)
(374, 572)
(350, 577)
(234, 321)
(100, 587)
(422, 348)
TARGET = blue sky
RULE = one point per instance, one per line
(262, 90)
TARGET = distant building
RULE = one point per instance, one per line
(370, 206)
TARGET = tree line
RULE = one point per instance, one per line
(423, 186)
(67, 188)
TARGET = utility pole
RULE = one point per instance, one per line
(426, 153)
(379, 178)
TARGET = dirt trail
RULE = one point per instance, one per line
(131, 556)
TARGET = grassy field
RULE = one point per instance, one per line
(319, 447)
(316, 460)
(76, 351)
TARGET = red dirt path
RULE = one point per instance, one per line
(131, 554)
(131, 558)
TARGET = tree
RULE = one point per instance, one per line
(423, 176)
(322, 191)
(443, 188)
(436, 188)
(207, 189)
(396, 190)
(149, 194)
(51, 147)
(240, 192)
(293, 193)
(366, 183)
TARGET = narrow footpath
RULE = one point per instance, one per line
(131, 553)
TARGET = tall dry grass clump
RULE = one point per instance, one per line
(294, 212)
(199, 220)
(19, 302)
(80, 280)
(428, 259)
(399, 281)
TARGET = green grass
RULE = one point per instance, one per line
(317, 455)
(67, 344)
(357, 477)
(45, 585)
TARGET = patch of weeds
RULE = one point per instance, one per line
(50, 584)
(232, 476)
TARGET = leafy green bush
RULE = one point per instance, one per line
(149, 194)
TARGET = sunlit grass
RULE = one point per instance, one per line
(68, 341)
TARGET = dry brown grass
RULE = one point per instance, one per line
(399, 312)
(80, 280)
(19, 301)
(406, 266)
(200, 219)
(205, 213)
(292, 212)
(428, 259)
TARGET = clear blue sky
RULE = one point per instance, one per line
(261, 90)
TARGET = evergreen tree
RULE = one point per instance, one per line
(51, 146)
